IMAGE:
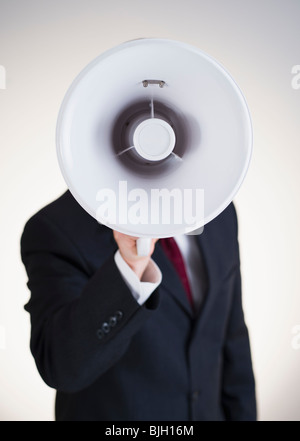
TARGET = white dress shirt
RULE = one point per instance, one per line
(152, 277)
(141, 289)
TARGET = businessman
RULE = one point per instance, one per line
(128, 338)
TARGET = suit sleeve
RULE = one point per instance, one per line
(238, 394)
(81, 323)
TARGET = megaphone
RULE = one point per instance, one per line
(154, 139)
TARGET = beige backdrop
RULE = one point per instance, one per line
(43, 45)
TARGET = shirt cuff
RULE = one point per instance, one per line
(141, 289)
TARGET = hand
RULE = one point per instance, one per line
(127, 248)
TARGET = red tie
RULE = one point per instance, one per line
(171, 249)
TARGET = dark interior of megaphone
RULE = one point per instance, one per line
(127, 121)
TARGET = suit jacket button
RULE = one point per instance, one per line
(113, 320)
(105, 328)
(119, 315)
(99, 333)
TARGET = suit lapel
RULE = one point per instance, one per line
(172, 283)
(207, 248)
(170, 280)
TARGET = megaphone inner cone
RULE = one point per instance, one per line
(154, 139)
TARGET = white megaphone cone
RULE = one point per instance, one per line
(146, 131)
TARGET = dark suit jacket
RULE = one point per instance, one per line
(111, 359)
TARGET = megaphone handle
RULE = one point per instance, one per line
(143, 245)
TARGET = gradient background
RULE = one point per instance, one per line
(43, 46)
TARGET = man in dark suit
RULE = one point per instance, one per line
(113, 355)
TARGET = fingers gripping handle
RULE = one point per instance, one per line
(143, 245)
